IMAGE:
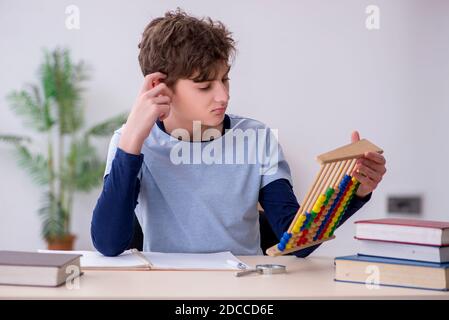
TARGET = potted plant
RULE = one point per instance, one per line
(54, 108)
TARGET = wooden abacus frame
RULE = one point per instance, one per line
(336, 165)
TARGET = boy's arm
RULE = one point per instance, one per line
(280, 206)
(113, 217)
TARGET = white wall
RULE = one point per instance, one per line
(309, 68)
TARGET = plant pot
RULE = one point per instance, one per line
(61, 243)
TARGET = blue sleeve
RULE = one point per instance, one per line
(280, 207)
(112, 223)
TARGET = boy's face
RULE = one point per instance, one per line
(202, 101)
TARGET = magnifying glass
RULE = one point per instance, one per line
(267, 269)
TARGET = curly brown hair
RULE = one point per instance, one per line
(185, 47)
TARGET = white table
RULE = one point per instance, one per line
(310, 278)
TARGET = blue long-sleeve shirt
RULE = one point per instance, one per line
(113, 217)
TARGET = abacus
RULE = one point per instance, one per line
(326, 201)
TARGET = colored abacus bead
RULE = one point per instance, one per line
(322, 198)
(326, 204)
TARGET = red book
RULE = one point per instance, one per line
(408, 231)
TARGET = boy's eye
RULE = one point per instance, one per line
(209, 86)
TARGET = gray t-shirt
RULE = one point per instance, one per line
(202, 196)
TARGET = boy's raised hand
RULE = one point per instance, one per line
(369, 170)
(153, 102)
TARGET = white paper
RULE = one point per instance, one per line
(159, 260)
(94, 259)
(192, 261)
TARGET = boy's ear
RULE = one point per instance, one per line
(157, 81)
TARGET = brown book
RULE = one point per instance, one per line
(37, 269)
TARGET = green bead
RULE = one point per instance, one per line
(329, 192)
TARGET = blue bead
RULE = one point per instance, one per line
(306, 221)
(286, 235)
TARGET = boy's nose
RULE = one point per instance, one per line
(221, 93)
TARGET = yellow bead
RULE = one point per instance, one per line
(317, 207)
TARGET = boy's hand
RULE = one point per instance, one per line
(153, 102)
(369, 170)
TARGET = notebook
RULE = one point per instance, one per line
(37, 269)
(136, 260)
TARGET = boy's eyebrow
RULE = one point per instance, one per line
(207, 80)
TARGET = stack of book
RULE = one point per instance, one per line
(398, 252)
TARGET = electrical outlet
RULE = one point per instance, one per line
(404, 204)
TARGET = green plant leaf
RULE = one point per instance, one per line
(29, 105)
(107, 127)
(61, 80)
(85, 169)
(35, 165)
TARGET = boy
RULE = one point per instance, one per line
(198, 205)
